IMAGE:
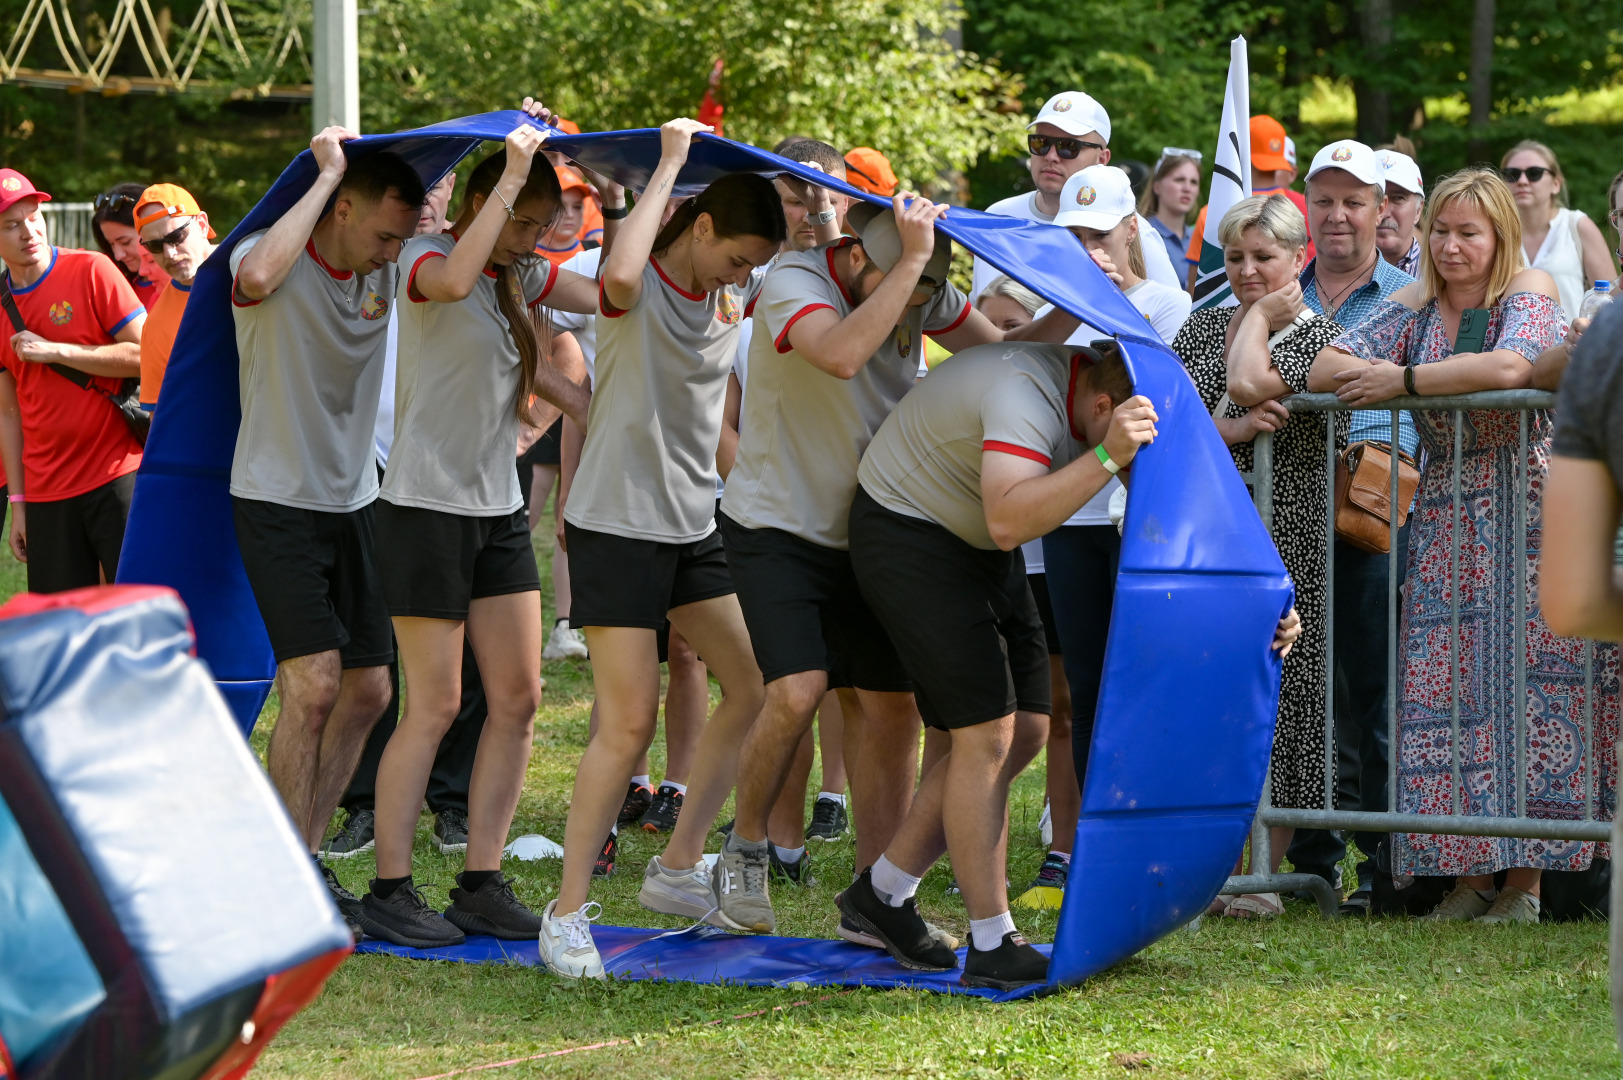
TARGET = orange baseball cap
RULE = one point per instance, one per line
(870, 171)
(166, 201)
(570, 178)
(1268, 144)
(568, 127)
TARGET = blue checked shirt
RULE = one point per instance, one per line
(1359, 306)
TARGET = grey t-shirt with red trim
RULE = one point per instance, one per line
(648, 469)
(925, 461)
(310, 362)
(803, 430)
(456, 383)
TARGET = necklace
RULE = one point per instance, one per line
(1333, 303)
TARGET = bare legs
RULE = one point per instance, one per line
(882, 733)
(770, 749)
(1524, 878)
(1064, 790)
(687, 702)
(326, 715)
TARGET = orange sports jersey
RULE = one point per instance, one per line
(158, 339)
(591, 222)
(74, 439)
(149, 289)
(559, 256)
(1195, 234)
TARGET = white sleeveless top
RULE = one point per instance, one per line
(1562, 257)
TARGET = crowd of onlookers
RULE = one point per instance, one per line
(1371, 282)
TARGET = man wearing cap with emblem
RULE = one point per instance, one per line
(839, 329)
(64, 443)
(1405, 202)
(1348, 280)
(1273, 171)
(1070, 133)
(176, 231)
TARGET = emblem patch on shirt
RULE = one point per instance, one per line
(904, 341)
(375, 308)
(1341, 154)
(727, 309)
(1085, 195)
(11, 183)
(61, 313)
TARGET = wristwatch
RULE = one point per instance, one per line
(822, 217)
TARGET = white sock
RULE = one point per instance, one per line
(893, 884)
(988, 933)
(643, 780)
(1490, 895)
(831, 796)
(789, 855)
(681, 789)
(1535, 903)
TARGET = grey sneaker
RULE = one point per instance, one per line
(1512, 906)
(678, 892)
(1461, 905)
(451, 831)
(739, 884)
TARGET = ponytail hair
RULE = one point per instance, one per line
(739, 204)
(532, 336)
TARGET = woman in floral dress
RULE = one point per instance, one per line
(1473, 239)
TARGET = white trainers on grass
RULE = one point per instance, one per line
(1512, 906)
(567, 948)
(1462, 905)
(565, 643)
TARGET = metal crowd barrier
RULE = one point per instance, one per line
(1453, 824)
(67, 225)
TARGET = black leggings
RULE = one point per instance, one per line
(1080, 562)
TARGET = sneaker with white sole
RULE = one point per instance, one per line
(1462, 905)
(565, 643)
(1512, 906)
(678, 892)
(856, 935)
(567, 948)
(739, 884)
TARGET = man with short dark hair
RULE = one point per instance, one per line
(176, 232)
(311, 299)
(66, 448)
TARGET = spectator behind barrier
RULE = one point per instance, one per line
(112, 224)
(1559, 240)
(1275, 340)
(1273, 171)
(176, 233)
(1405, 202)
(1173, 190)
(1414, 344)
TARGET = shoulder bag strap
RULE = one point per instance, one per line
(9, 302)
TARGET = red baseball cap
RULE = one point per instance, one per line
(14, 187)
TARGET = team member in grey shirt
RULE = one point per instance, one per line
(640, 522)
(311, 303)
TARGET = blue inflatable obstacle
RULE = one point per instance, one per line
(1187, 708)
(116, 960)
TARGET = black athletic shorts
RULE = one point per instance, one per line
(618, 581)
(546, 450)
(1045, 609)
(433, 563)
(962, 619)
(803, 608)
(315, 576)
(73, 543)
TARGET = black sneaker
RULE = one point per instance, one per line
(795, 873)
(726, 830)
(605, 858)
(492, 910)
(1013, 964)
(639, 797)
(1358, 904)
(354, 838)
(406, 919)
(349, 905)
(828, 822)
(661, 816)
(451, 830)
(900, 930)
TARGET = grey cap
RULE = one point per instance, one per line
(876, 228)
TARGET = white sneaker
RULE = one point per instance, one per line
(565, 643)
(679, 892)
(1462, 905)
(567, 948)
(1045, 824)
(1512, 906)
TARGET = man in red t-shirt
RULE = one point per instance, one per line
(65, 446)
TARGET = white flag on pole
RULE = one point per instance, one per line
(1231, 178)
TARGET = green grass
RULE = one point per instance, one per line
(1298, 998)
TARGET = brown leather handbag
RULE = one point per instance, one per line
(1364, 495)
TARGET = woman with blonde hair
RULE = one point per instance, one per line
(1556, 239)
(1169, 198)
(1413, 345)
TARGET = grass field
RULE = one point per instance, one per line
(1299, 998)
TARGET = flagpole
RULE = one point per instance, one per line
(1231, 178)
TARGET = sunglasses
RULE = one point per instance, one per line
(1176, 151)
(174, 239)
(1066, 148)
(113, 204)
(1534, 174)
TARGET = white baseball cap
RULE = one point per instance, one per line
(1400, 169)
(1074, 113)
(1098, 197)
(1290, 151)
(1350, 156)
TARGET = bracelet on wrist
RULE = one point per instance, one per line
(16, 497)
(615, 213)
(1103, 455)
(1408, 380)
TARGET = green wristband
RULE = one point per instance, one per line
(1103, 455)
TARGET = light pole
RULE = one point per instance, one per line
(336, 59)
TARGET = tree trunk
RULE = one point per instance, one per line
(1482, 18)
(1374, 100)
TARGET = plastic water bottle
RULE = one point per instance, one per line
(1595, 299)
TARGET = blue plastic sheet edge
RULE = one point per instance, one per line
(705, 954)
